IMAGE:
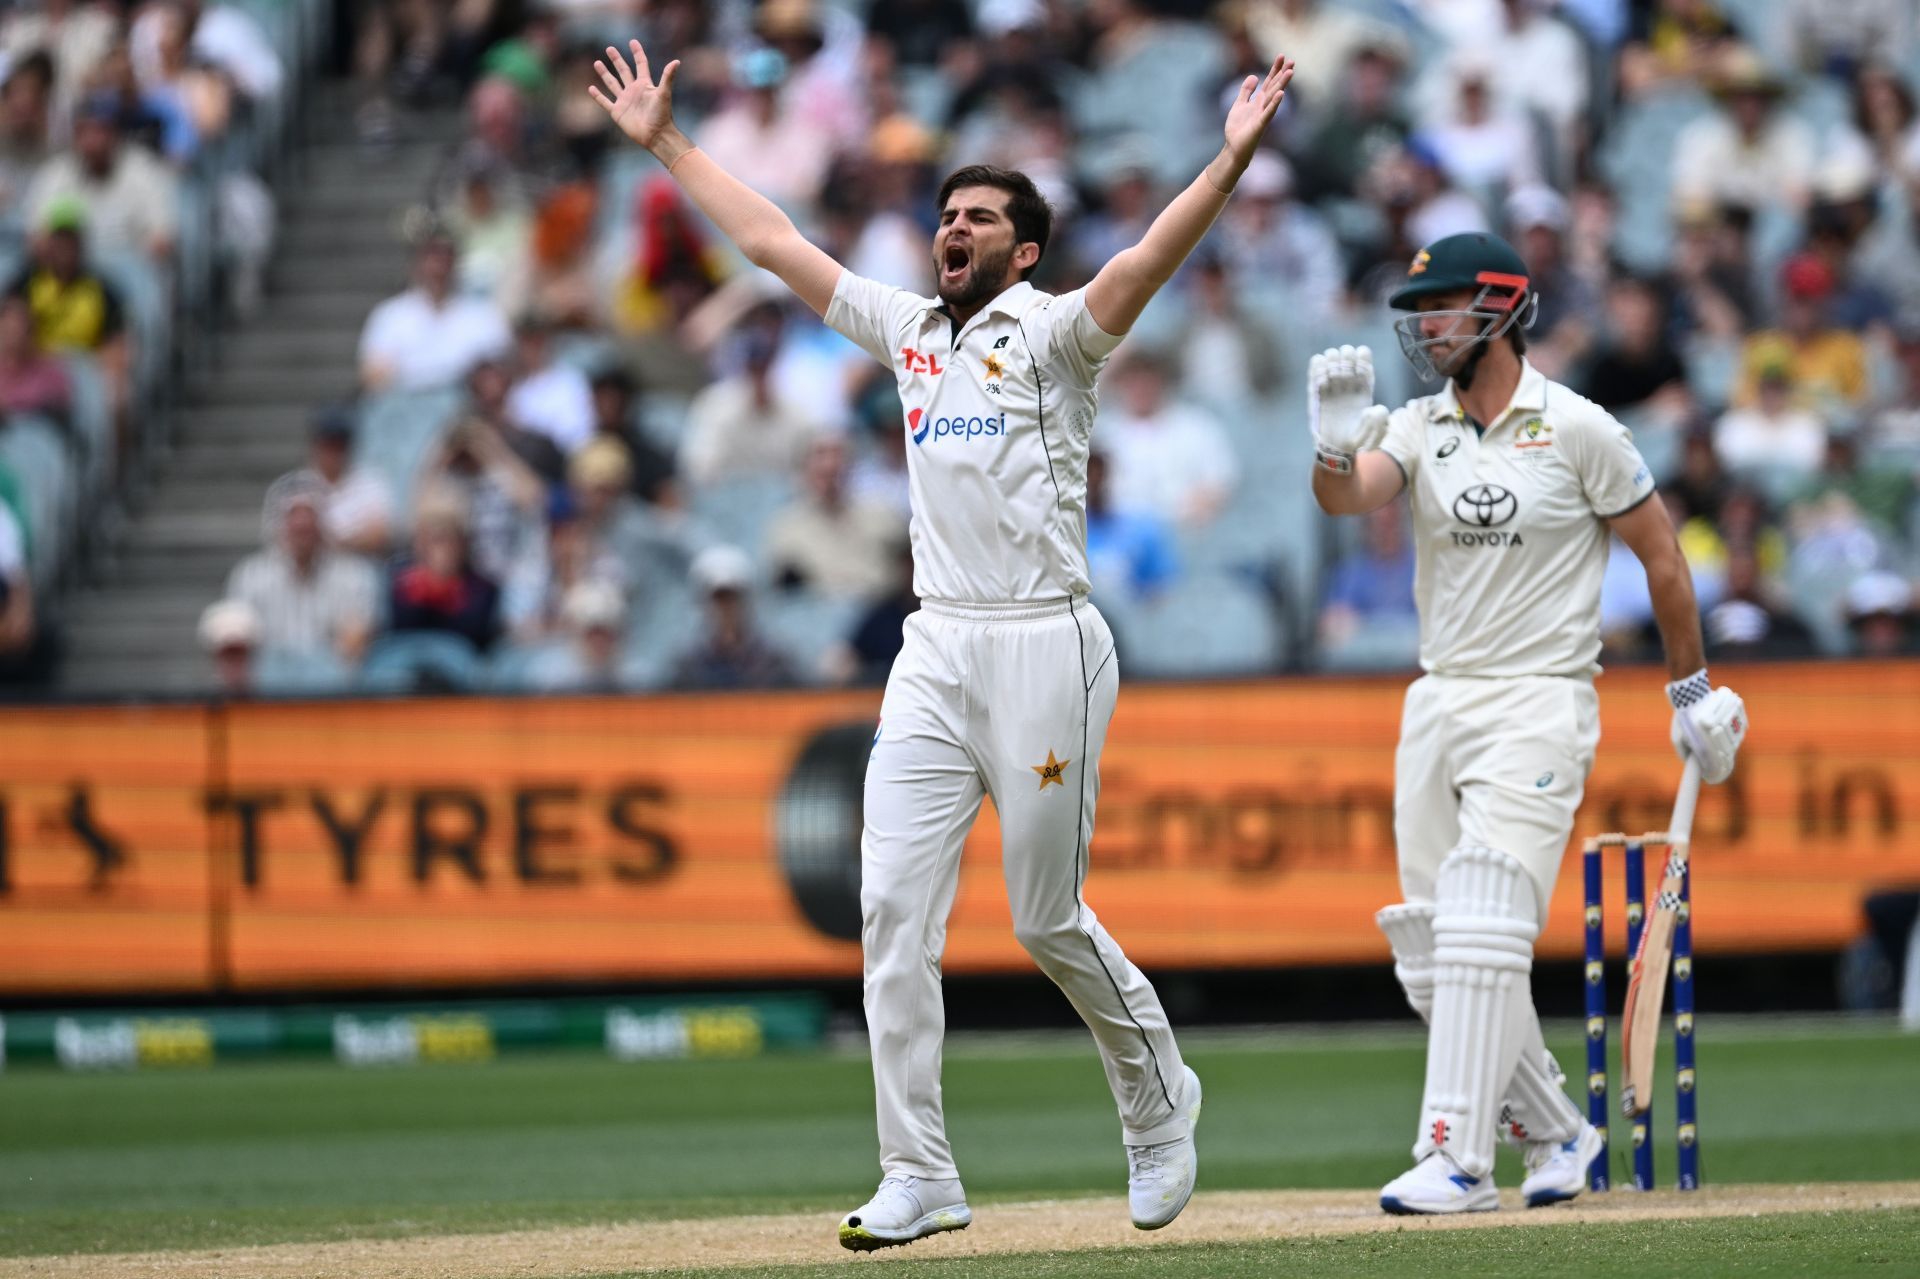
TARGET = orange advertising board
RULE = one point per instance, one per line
(417, 843)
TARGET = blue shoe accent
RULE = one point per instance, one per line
(1463, 1181)
(1397, 1208)
(1542, 1198)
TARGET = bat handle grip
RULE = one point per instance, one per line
(1680, 829)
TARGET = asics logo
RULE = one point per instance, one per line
(922, 426)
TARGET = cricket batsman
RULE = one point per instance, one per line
(1007, 679)
(1516, 483)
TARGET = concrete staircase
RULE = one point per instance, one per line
(244, 424)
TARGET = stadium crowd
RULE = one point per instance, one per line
(592, 449)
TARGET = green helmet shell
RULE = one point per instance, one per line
(1472, 260)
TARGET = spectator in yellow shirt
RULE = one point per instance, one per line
(1827, 366)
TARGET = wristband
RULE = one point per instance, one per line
(1333, 460)
(1695, 688)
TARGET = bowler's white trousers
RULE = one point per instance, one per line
(1014, 703)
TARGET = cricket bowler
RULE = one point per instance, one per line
(1515, 484)
(1007, 678)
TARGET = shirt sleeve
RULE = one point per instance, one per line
(1065, 335)
(1403, 441)
(869, 314)
(1612, 473)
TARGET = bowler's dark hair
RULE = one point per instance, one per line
(1027, 209)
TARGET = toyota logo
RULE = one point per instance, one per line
(1486, 505)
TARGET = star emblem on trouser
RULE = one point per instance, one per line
(1053, 772)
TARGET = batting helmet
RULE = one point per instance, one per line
(1493, 274)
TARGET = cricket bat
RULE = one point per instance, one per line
(1647, 979)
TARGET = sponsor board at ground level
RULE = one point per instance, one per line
(662, 839)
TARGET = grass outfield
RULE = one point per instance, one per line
(271, 1153)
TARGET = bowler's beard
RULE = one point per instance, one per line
(981, 282)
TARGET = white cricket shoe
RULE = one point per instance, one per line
(1557, 1170)
(902, 1210)
(1160, 1177)
(1436, 1185)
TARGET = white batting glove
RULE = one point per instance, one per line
(1340, 406)
(1708, 724)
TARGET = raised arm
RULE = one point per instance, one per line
(644, 112)
(1127, 283)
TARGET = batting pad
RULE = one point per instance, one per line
(1409, 930)
(1536, 1107)
(1484, 923)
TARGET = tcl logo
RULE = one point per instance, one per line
(919, 362)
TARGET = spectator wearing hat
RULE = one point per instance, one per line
(1825, 366)
(230, 632)
(356, 506)
(1538, 218)
(616, 395)
(31, 381)
(132, 199)
(436, 587)
(429, 336)
(828, 541)
(1170, 460)
(308, 597)
(589, 661)
(1747, 151)
(772, 148)
(731, 653)
(1772, 431)
(648, 547)
(742, 424)
(549, 397)
(1880, 615)
(73, 308)
(1266, 235)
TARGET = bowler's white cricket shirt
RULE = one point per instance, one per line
(998, 419)
(1509, 527)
